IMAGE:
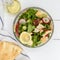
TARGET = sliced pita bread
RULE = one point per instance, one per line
(9, 51)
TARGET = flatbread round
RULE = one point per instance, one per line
(9, 51)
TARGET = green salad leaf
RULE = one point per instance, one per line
(29, 14)
(36, 39)
(30, 28)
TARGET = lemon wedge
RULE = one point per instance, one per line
(14, 7)
(25, 38)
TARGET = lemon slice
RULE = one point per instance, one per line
(25, 38)
(14, 7)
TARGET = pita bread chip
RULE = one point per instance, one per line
(9, 51)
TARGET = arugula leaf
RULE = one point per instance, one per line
(29, 14)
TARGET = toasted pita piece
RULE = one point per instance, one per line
(9, 51)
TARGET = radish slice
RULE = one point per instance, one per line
(22, 21)
(46, 20)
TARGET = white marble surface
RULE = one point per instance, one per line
(50, 51)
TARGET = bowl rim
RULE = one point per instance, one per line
(21, 13)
